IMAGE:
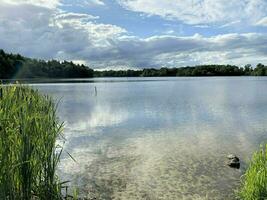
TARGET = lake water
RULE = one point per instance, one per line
(159, 138)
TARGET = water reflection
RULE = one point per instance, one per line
(102, 117)
(160, 139)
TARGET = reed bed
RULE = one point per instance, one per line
(29, 154)
(254, 181)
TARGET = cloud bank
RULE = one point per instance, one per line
(43, 30)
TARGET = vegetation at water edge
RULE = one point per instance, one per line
(29, 154)
(254, 181)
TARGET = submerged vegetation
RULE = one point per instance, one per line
(254, 183)
(29, 154)
(17, 67)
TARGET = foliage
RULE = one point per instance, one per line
(16, 66)
(200, 70)
(118, 73)
(254, 184)
(29, 155)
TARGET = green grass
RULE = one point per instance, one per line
(254, 181)
(29, 155)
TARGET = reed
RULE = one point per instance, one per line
(254, 181)
(29, 155)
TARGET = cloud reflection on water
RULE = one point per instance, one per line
(161, 140)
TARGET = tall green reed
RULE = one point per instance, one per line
(29, 154)
(254, 181)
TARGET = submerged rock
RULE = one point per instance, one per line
(232, 157)
(233, 161)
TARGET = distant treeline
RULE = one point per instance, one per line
(201, 70)
(17, 66)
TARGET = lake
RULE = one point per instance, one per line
(159, 138)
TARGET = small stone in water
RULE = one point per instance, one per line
(232, 157)
(233, 161)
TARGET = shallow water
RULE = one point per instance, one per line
(159, 138)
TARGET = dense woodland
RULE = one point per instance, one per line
(17, 66)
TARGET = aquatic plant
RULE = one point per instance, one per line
(29, 155)
(254, 181)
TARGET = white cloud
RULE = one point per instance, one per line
(230, 24)
(169, 32)
(200, 11)
(262, 22)
(94, 2)
(76, 16)
(176, 51)
(79, 62)
(56, 3)
(47, 32)
(43, 3)
(83, 3)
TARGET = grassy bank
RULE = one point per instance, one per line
(29, 155)
(254, 181)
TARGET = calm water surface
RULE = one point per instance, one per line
(159, 138)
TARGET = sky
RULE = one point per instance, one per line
(133, 34)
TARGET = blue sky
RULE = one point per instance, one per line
(122, 34)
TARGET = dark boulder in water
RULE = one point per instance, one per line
(233, 161)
